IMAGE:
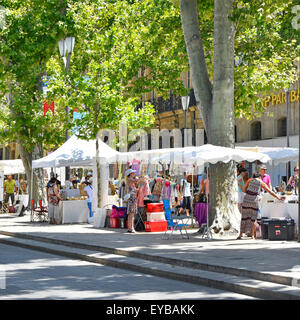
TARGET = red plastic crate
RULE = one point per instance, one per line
(156, 226)
(155, 207)
(114, 222)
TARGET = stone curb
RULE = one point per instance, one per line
(217, 284)
(261, 276)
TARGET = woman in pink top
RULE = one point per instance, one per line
(265, 177)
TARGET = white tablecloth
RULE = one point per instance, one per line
(74, 211)
(279, 209)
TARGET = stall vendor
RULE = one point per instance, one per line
(292, 183)
(88, 190)
(10, 187)
(264, 176)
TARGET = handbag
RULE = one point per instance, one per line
(127, 196)
(203, 198)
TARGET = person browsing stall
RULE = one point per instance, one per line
(250, 207)
(53, 202)
(185, 189)
(132, 200)
(242, 179)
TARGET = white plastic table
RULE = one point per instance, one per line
(74, 211)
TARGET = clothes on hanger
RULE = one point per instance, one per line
(143, 191)
(156, 193)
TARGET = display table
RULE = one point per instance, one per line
(200, 213)
(74, 211)
(278, 209)
(23, 198)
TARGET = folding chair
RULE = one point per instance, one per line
(139, 220)
(173, 226)
(38, 214)
(4, 208)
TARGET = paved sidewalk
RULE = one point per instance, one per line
(279, 257)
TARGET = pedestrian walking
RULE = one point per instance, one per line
(10, 188)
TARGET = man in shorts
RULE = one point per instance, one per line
(185, 189)
(10, 187)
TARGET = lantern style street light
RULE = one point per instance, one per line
(66, 47)
(185, 105)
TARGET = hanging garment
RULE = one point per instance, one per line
(166, 190)
(143, 191)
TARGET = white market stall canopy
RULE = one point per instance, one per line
(12, 166)
(78, 152)
(277, 155)
(75, 152)
(193, 155)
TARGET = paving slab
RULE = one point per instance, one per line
(275, 257)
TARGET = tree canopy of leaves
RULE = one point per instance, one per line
(114, 42)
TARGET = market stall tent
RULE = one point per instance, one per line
(277, 155)
(75, 152)
(200, 155)
(12, 166)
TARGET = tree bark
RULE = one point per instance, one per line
(217, 105)
(38, 188)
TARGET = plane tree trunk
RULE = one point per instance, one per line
(216, 104)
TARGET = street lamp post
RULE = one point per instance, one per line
(298, 64)
(66, 47)
(288, 167)
(185, 105)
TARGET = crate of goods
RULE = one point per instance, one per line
(264, 227)
(281, 229)
(156, 216)
(156, 226)
(114, 222)
(155, 207)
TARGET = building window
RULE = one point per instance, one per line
(1, 154)
(7, 156)
(281, 127)
(205, 137)
(235, 133)
(256, 130)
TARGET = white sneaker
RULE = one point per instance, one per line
(91, 220)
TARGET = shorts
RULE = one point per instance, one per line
(11, 196)
(187, 203)
(240, 197)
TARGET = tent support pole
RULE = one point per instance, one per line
(31, 185)
(207, 233)
(192, 208)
